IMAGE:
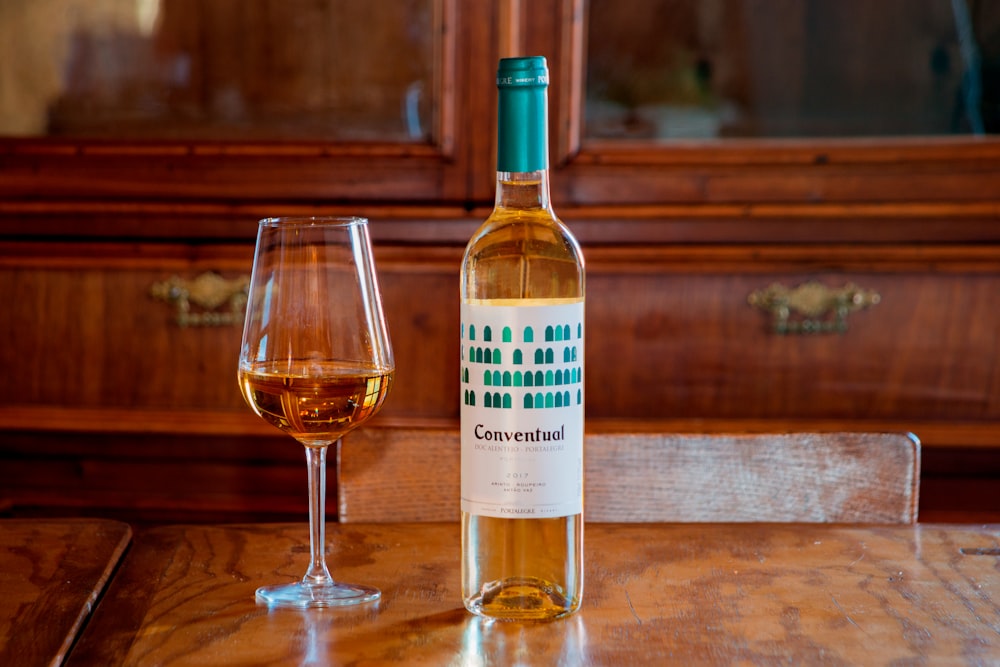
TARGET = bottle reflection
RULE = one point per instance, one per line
(489, 642)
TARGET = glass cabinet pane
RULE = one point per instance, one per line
(668, 69)
(314, 70)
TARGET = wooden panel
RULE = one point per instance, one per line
(407, 475)
(53, 573)
(818, 477)
(144, 477)
(452, 225)
(796, 172)
(396, 474)
(416, 173)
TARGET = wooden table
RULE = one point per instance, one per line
(655, 593)
(51, 575)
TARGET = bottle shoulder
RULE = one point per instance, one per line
(532, 233)
(522, 257)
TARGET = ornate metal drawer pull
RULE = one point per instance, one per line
(208, 292)
(818, 308)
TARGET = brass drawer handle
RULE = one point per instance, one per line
(823, 309)
(208, 292)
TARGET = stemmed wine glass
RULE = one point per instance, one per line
(315, 362)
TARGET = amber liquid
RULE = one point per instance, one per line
(522, 569)
(314, 402)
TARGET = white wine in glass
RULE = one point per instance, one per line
(315, 362)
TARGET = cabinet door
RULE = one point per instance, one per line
(799, 105)
(330, 101)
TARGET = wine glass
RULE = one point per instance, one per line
(315, 362)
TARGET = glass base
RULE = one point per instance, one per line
(301, 595)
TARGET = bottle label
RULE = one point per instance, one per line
(522, 409)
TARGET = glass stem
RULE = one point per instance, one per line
(318, 574)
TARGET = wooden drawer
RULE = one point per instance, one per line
(86, 334)
(672, 333)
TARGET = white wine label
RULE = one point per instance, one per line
(522, 409)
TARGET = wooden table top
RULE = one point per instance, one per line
(51, 574)
(654, 593)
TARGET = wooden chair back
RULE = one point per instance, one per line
(412, 474)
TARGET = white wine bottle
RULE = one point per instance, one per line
(522, 311)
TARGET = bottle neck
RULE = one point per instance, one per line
(522, 134)
(523, 190)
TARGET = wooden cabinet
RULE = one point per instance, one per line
(119, 401)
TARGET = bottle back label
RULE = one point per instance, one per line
(522, 409)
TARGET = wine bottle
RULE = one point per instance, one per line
(522, 335)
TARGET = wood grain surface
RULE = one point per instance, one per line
(51, 575)
(399, 474)
(762, 594)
